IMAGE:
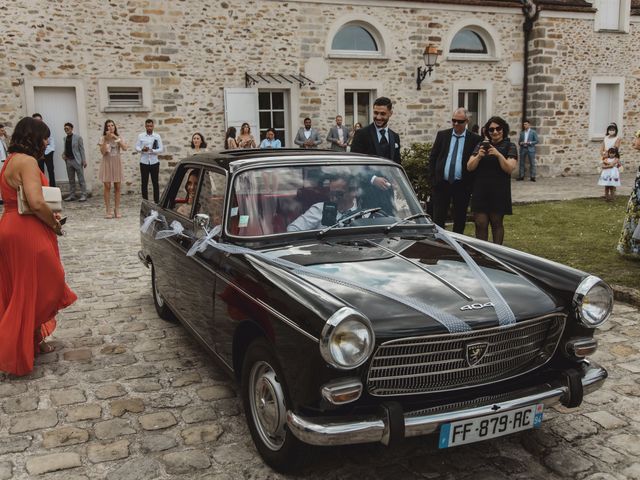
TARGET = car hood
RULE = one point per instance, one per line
(408, 270)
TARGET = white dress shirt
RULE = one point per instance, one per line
(146, 140)
(3, 150)
(312, 218)
(51, 146)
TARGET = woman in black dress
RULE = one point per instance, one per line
(493, 163)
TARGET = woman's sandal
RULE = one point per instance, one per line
(46, 347)
(118, 215)
(109, 215)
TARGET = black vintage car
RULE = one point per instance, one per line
(347, 316)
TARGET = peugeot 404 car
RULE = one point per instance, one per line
(318, 282)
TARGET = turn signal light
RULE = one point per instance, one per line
(581, 347)
(342, 391)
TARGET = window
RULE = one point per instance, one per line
(211, 197)
(612, 15)
(354, 37)
(468, 41)
(606, 104)
(183, 203)
(472, 43)
(473, 101)
(357, 107)
(272, 112)
(124, 95)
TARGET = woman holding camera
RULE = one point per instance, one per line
(493, 161)
(32, 285)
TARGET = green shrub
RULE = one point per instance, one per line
(415, 161)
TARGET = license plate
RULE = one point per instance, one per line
(490, 426)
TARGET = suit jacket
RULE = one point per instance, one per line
(300, 138)
(77, 147)
(533, 140)
(440, 152)
(366, 141)
(334, 137)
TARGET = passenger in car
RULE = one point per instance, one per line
(342, 202)
(184, 208)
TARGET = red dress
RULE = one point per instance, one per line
(32, 286)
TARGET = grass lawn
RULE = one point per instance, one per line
(580, 233)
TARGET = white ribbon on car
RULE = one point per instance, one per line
(153, 217)
(452, 323)
(500, 305)
(176, 229)
(201, 244)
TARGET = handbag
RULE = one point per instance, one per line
(52, 195)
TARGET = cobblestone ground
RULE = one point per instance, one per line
(128, 396)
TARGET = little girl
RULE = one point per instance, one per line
(610, 175)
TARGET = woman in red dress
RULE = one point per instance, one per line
(32, 285)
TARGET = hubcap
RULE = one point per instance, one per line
(267, 405)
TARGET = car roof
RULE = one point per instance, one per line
(232, 160)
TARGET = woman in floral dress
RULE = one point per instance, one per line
(629, 243)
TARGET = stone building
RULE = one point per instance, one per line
(203, 65)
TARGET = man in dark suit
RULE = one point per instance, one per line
(450, 179)
(378, 139)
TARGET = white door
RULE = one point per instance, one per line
(57, 105)
(240, 106)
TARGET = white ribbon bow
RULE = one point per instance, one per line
(176, 229)
(153, 217)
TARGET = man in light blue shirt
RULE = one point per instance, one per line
(149, 145)
(270, 141)
(48, 156)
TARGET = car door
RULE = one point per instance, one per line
(198, 272)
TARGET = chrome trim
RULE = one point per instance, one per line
(375, 428)
(332, 324)
(424, 269)
(274, 312)
(343, 386)
(407, 375)
(581, 291)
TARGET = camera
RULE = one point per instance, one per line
(485, 145)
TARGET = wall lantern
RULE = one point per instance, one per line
(430, 56)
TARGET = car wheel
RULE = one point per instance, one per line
(265, 405)
(164, 312)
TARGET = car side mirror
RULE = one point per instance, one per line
(201, 220)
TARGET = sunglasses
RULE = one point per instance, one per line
(337, 194)
(494, 129)
(457, 122)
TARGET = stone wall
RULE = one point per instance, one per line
(191, 50)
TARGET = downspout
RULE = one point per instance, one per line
(531, 13)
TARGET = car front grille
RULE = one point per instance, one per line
(446, 362)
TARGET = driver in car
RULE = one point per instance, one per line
(342, 203)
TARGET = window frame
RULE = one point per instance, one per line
(488, 36)
(595, 133)
(624, 17)
(104, 84)
(377, 32)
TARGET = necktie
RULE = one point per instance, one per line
(451, 177)
(383, 137)
(384, 144)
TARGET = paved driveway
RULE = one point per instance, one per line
(127, 395)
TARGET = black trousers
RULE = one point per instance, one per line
(48, 161)
(443, 194)
(154, 170)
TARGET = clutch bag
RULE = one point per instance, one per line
(52, 195)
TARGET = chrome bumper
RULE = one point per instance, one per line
(328, 431)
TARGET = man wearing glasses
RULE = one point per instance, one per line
(451, 181)
(342, 202)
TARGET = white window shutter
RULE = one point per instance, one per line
(240, 106)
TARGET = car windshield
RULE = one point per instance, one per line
(278, 200)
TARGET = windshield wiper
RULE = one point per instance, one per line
(348, 219)
(405, 220)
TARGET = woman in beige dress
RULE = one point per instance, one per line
(245, 139)
(111, 166)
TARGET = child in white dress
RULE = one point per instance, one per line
(610, 174)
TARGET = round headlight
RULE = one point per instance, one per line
(593, 302)
(347, 339)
